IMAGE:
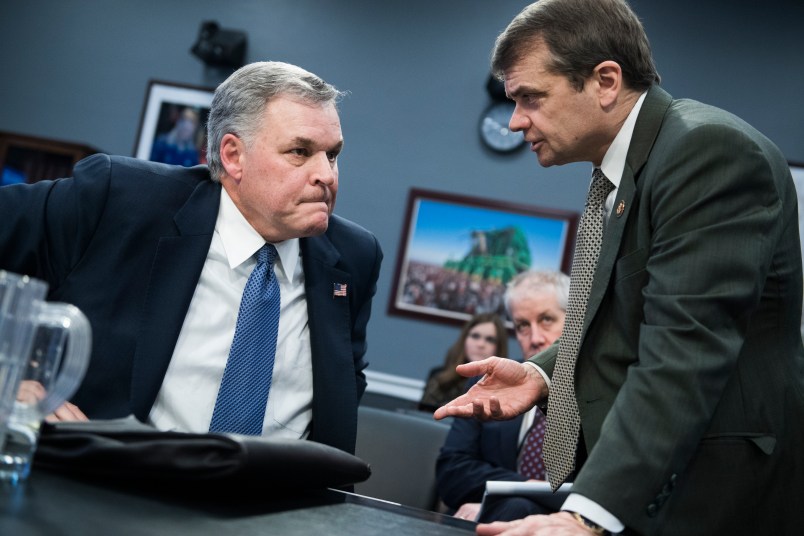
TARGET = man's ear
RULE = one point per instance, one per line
(232, 154)
(609, 77)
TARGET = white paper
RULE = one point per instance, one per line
(501, 487)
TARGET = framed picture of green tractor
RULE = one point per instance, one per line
(457, 253)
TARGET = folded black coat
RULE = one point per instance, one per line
(125, 449)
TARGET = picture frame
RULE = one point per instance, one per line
(797, 171)
(173, 123)
(30, 159)
(457, 253)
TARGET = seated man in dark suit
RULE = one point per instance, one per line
(159, 256)
(475, 452)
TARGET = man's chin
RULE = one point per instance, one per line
(318, 228)
(546, 160)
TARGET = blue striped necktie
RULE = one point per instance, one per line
(243, 394)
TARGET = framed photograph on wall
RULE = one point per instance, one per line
(457, 253)
(173, 124)
(797, 170)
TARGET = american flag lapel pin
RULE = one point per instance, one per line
(338, 289)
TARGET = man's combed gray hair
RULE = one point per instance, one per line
(528, 283)
(239, 102)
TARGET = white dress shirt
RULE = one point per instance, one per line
(527, 422)
(187, 397)
(614, 160)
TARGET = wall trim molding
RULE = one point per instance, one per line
(393, 385)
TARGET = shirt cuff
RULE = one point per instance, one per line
(540, 371)
(593, 512)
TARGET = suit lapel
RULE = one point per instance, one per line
(328, 314)
(319, 258)
(174, 275)
(646, 129)
(330, 332)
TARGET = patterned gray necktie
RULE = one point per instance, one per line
(563, 421)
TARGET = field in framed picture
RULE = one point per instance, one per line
(173, 124)
(457, 253)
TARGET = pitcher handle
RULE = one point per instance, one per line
(76, 359)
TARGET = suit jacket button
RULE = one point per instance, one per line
(652, 510)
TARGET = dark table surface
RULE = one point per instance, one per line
(52, 504)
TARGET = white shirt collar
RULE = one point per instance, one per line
(241, 241)
(614, 160)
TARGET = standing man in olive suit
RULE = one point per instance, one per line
(687, 378)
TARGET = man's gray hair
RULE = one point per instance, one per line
(238, 105)
(526, 284)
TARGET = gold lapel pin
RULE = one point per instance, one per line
(620, 208)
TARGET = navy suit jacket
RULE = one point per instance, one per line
(473, 453)
(125, 241)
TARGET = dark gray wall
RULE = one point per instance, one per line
(78, 70)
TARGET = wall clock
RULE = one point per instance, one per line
(494, 128)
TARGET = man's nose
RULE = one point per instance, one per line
(519, 121)
(324, 169)
(537, 338)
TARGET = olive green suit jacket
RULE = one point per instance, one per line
(690, 375)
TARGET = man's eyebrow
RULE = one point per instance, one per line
(307, 143)
(522, 90)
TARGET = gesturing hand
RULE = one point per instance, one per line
(507, 389)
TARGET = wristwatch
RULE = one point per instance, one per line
(591, 525)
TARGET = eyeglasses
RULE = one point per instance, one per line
(488, 338)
